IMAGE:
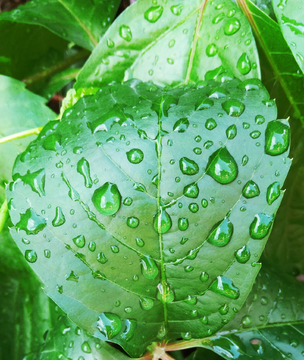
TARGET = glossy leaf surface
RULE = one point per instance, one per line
(174, 43)
(121, 188)
(290, 17)
(80, 21)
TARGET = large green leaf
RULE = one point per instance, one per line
(80, 21)
(290, 18)
(146, 210)
(20, 110)
(174, 43)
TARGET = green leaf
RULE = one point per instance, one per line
(149, 207)
(68, 341)
(167, 44)
(20, 110)
(74, 20)
(285, 81)
(265, 6)
(290, 19)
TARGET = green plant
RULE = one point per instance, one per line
(145, 206)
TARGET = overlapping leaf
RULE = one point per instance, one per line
(146, 210)
(80, 21)
(174, 43)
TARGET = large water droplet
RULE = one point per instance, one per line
(231, 132)
(59, 218)
(162, 221)
(204, 104)
(242, 255)
(86, 348)
(130, 326)
(31, 256)
(52, 142)
(153, 13)
(233, 107)
(31, 222)
(221, 233)
(83, 168)
(162, 104)
(222, 166)
(243, 64)
(107, 199)
(191, 190)
(135, 156)
(146, 303)
(36, 180)
(181, 125)
(165, 293)
(125, 33)
(250, 190)
(277, 138)
(232, 26)
(260, 226)
(273, 192)
(109, 325)
(188, 166)
(79, 241)
(183, 224)
(225, 287)
(210, 124)
(149, 267)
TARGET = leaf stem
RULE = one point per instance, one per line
(3, 215)
(20, 135)
(181, 345)
(52, 70)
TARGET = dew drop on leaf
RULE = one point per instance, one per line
(115, 249)
(225, 287)
(260, 226)
(210, 124)
(204, 104)
(30, 222)
(277, 138)
(59, 218)
(47, 253)
(188, 166)
(72, 277)
(107, 198)
(204, 276)
(162, 221)
(183, 224)
(36, 180)
(139, 242)
(149, 267)
(223, 310)
(109, 325)
(52, 142)
(102, 258)
(92, 246)
(222, 166)
(165, 294)
(79, 241)
(250, 190)
(193, 207)
(233, 108)
(30, 256)
(245, 160)
(130, 326)
(208, 144)
(221, 233)
(125, 33)
(273, 192)
(259, 119)
(246, 321)
(231, 132)
(242, 255)
(135, 156)
(211, 50)
(191, 190)
(85, 347)
(83, 168)
(176, 9)
(232, 26)
(204, 203)
(243, 64)
(146, 303)
(128, 201)
(181, 125)
(255, 134)
(132, 222)
(153, 13)
(258, 346)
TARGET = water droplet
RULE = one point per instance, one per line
(255, 134)
(47, 253)
(222, 166)
(162, 222)
(110, 43)
(153, 13)
(132, 222)
(193, 207)
(218, 92)
(246, 125)
(109, 325)
(181, 125)
(83, 168)
(30, 222)
(135, 156)
(36, 180)
(277, 138)
(85, 347)
(223, 310)
(171, 43)
(92, 246)
(273, 192)
(125, 33)
(218, 18)
(259, 119)
(225, 286)
(146, 303)
(231, 132)
(107, 198)
(165, 294)
(79, 241)
(260, 226)
(221, 233)
(204, 104)
(258, 346)
(72, 277)
(198, 138)
(77, 150)
(115, 249)
(130, 326)
(188, 166)
(208, 144)
(177, 9)
(232, 26)
(243, 64)
(264, 300)
(245, 160)
(242, 255)
(246, 321)
(250, 190)
(204, 203)
(31, 256)
(191, 190)
(183, 224)
(186, 335)
(184, 240)
(128, 201)
(211, 50)
(233, 107)
(102, 258)
(197, 150)
(210, 124)
(59, 217)
(204, 276)
(149, 267)
(52, 142)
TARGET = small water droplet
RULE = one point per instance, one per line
(165, 293)
(153, 13)
(183, 224)
(184, 240)
(245, 160)
(260, 226)
(102, 258)
(47, 253)
(176, 9)
(211, 50)
(52, 142)
(181, 125)
(231, 132)
(244, 64)
(115, 249)
(221, 233)
(146, 303)
(135, 156)
(222, 166)
(30, 256)
(191, 190)
(232, 26)
(233, 107)
(208, 144)
(277, 138)
(125, 33)
(246, 321)
(83, 168)
(259, 119)
(149, 267)
(188, 166)
(59, 217)
(171, 43)
(257, 345)
(242, 255)
(204, 276)
(223, 310)
(79, 241)
(204, 203)
(109, 325)
(92, 246)
(128, 201)
(198, 138)
(204, 104)
(107, 198)
(162, 222)
(132, 222)
(72, 277)
(246, 125)
(210, 124)
(250, 190)
(273, 192)
(130, 326)
(225, 287)
(193, 207)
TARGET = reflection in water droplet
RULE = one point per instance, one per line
(243, 64)
(225, 287)
(193, 207)
(30, 222)
(181, 125)
(83, 168)
(255, 134)
(135, 156)
(233, 107)
(221, 233)
(109, 325)
(107, 198)
(232, 26)
(273, 192)
(149, 267)
(222, 166)
(210, 124)
(128, 201)
(188, 166)
(36, 180)
(260, 226)
(231, 132)
(31, 256)
(191, 190)
(139, 242)
(92, 246)
(125, 33)
(130, 326)
(250, 190)
(153, 13)
(165, 293)
(162, 222)
(277, 138)
(242, 255)
(59, 217)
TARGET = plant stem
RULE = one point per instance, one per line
(180, 345)
(166, 357)
(52, 70)
(21, 134)
(3, 215)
